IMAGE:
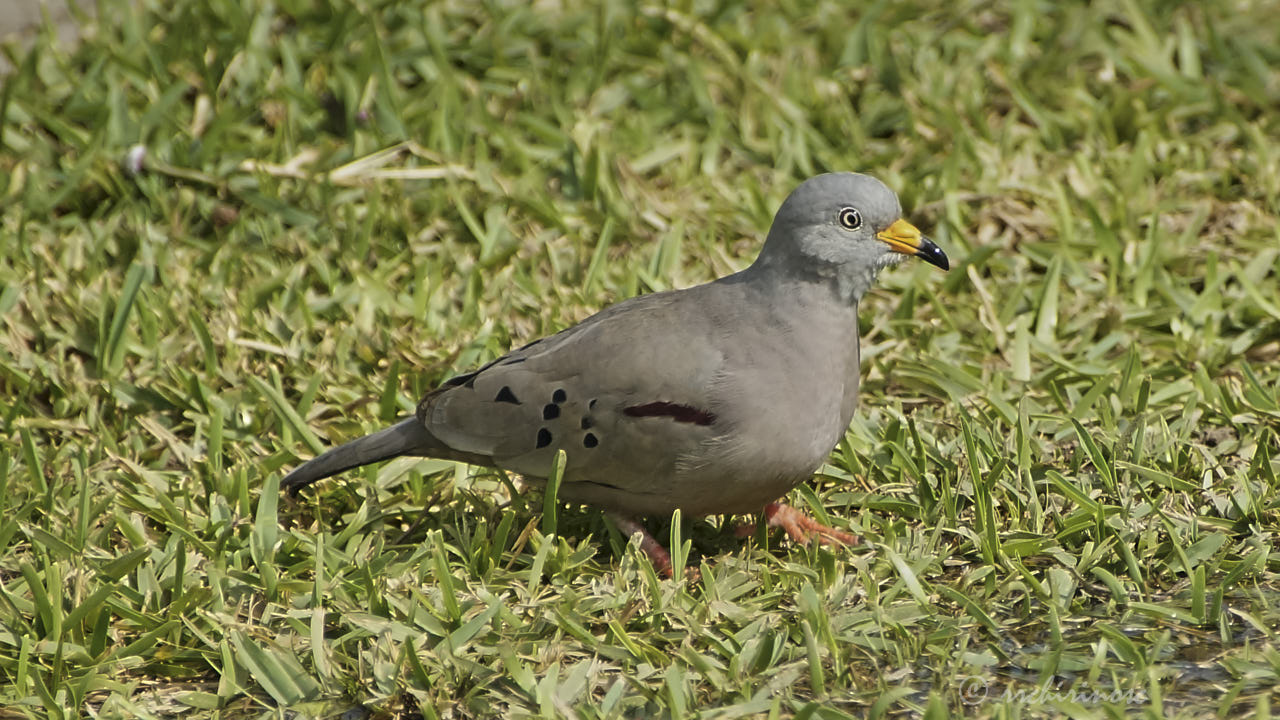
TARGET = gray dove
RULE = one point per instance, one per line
(719, 398)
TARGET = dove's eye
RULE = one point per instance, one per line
(850, 218)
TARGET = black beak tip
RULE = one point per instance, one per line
(932, 254)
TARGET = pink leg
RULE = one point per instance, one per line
(658, 555)
(799, 526)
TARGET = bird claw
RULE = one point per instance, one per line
(799, 527)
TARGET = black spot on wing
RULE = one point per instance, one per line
(505, 395)
(590, 440)
(544, 437)
(586, 422)
(559, 396)
(550, 411)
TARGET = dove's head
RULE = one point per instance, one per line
(843, 228)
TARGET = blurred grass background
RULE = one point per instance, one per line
(236, 231)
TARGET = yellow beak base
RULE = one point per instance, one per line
(905, 238)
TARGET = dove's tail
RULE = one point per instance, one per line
(407, 437)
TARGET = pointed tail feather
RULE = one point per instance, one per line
(407, 437)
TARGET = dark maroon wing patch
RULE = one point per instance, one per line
(675, 411)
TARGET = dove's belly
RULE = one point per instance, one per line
(726, 479)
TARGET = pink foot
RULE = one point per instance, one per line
(800, 527)
(658, 555)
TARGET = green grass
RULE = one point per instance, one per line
(1064, 466)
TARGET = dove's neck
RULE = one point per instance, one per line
(845, 284)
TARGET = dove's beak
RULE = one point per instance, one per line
(903, 237)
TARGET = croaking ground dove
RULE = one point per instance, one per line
(715, 399)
